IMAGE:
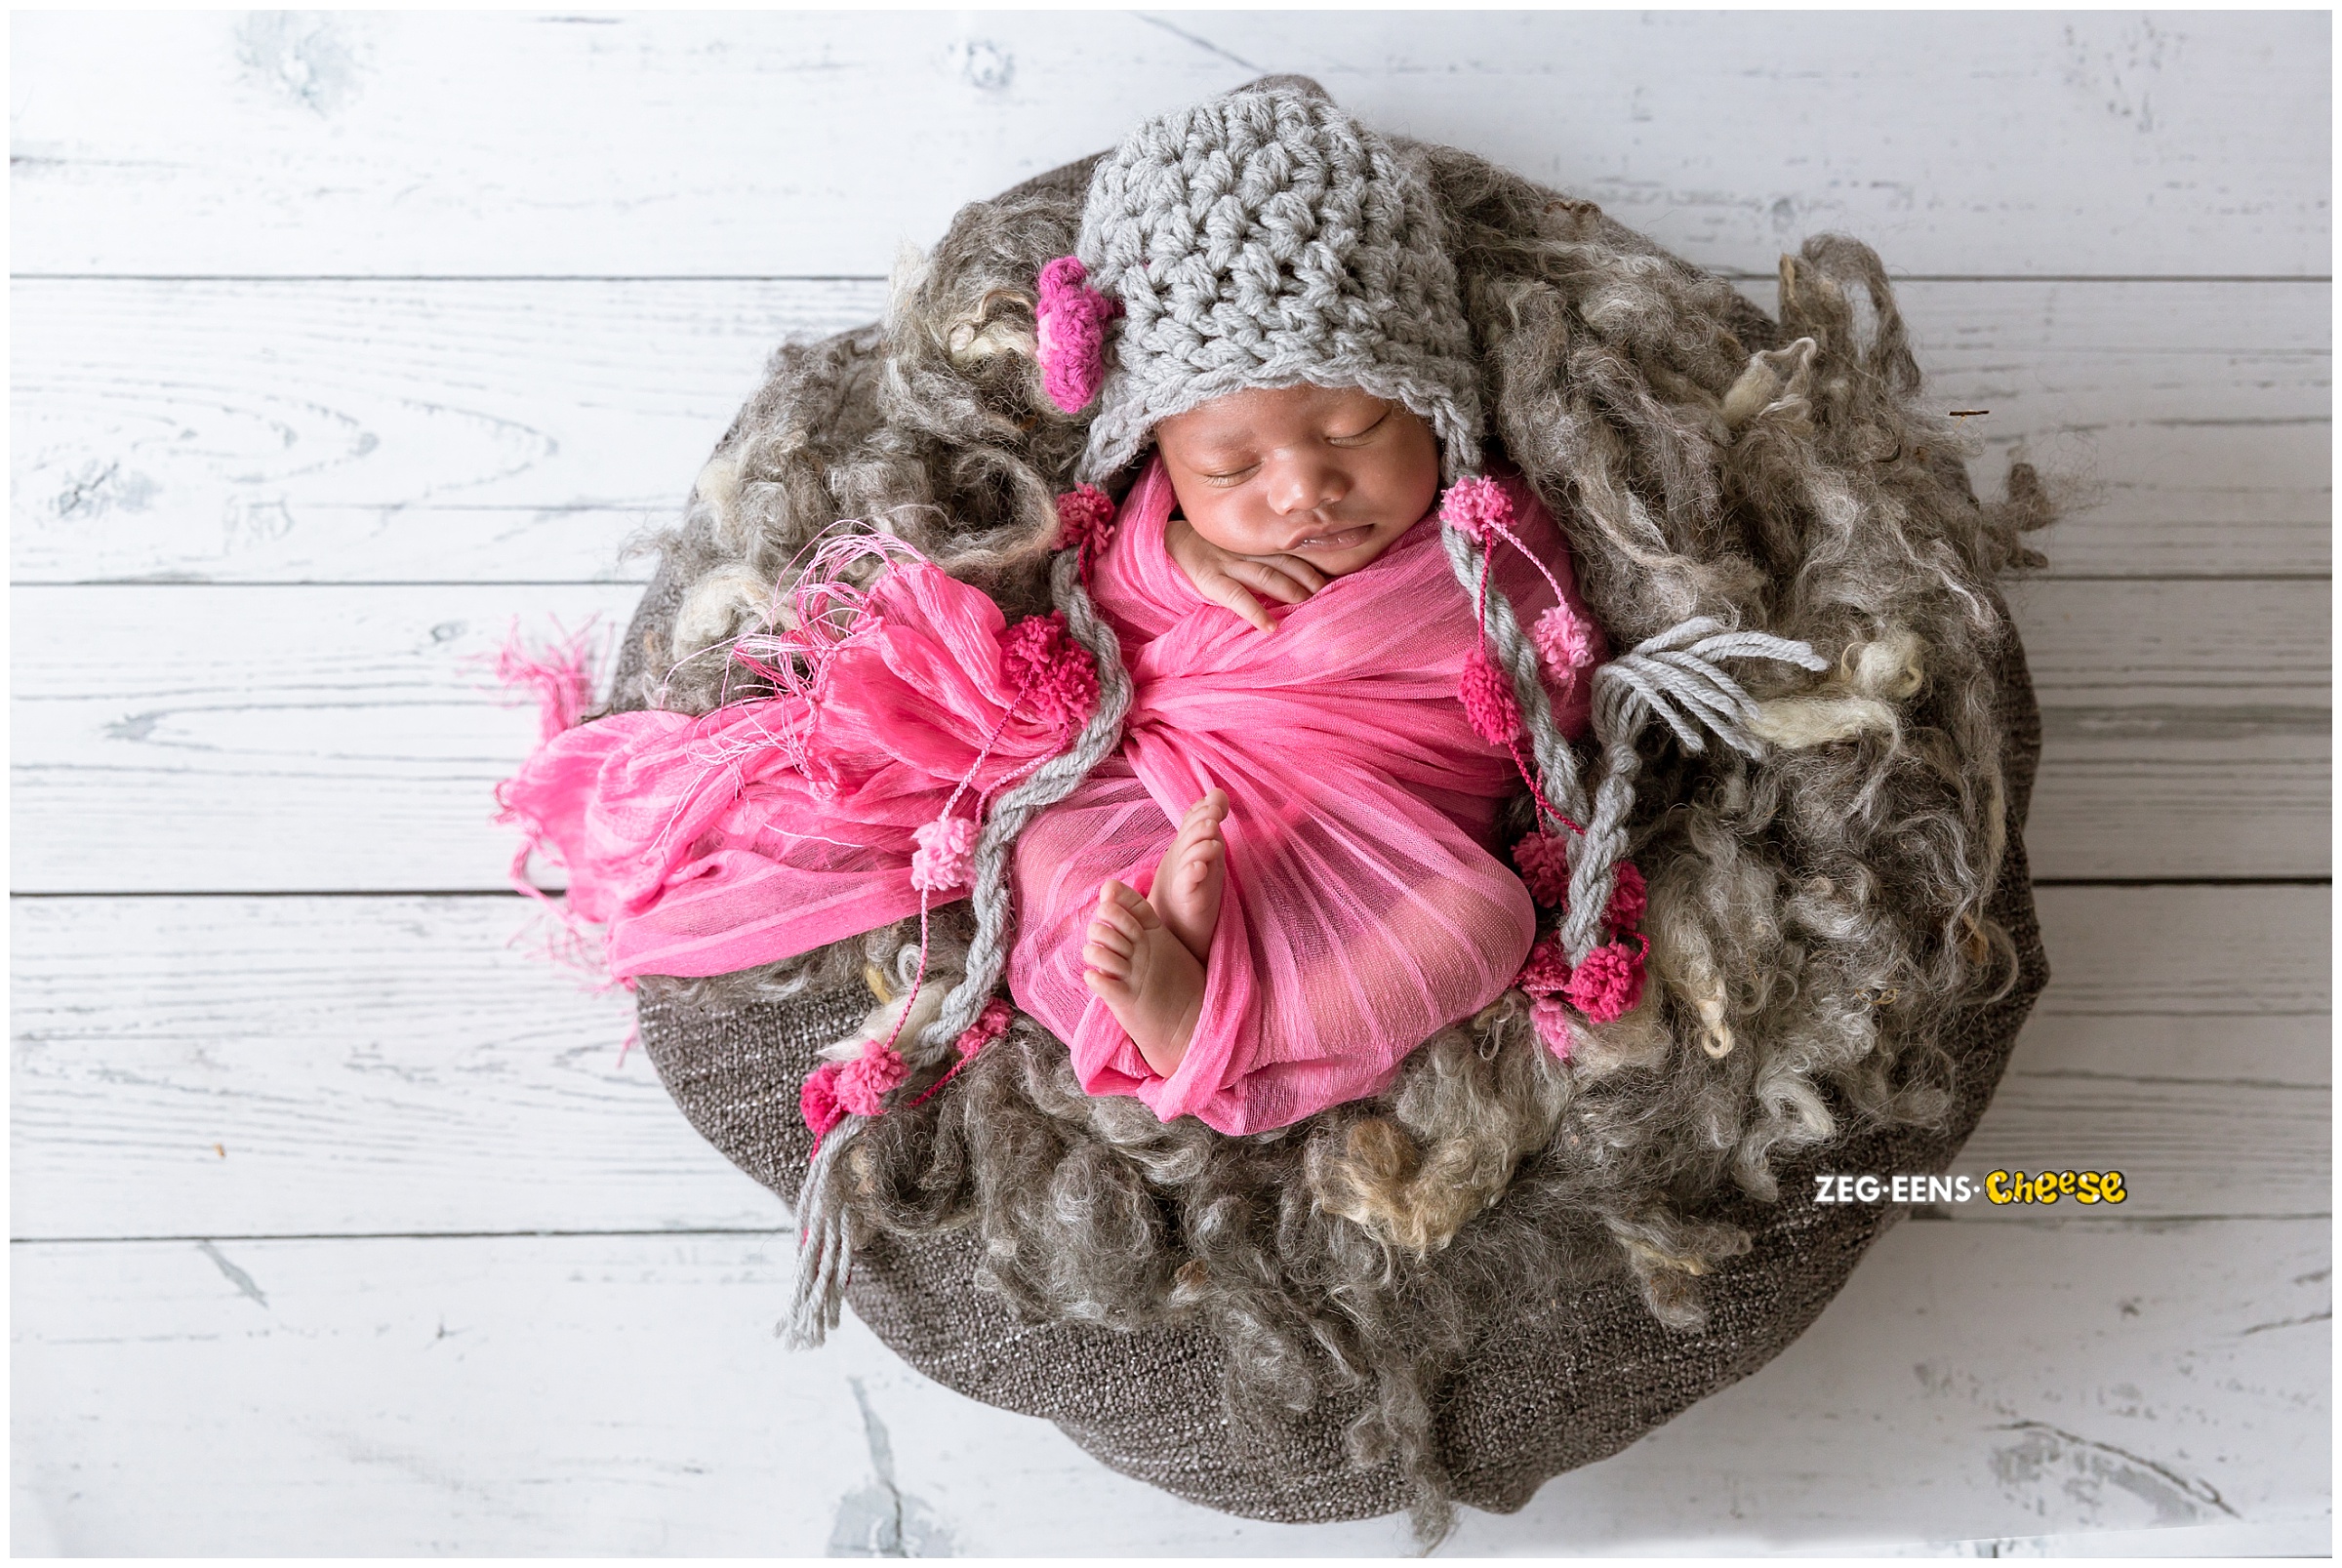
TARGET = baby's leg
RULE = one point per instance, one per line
(1145, 957)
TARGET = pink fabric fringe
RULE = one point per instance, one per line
(560, 676)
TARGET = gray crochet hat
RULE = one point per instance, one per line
(1263, 239)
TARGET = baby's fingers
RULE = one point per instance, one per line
(1222, 589)
(1298, 571)
(1272, 578)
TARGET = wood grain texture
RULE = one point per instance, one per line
(808, 142)
(522, 431)
(318, 739)
(470, 431)
(627, 1395)
(2184, 728)
(333, 1066)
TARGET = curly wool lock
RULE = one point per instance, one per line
(1703, 460)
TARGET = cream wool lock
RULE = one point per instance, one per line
(1424, 1297)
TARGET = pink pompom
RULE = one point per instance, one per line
(1565, 640)
(864, 1082)
(989, 1026)
(1546, 973)
(1629, 897)
(818, 1100)
(1488, 701)
(1070, 317)
(1056, 675)
(1551, 1021)
(1472, 506)
(1085, 522)
(1544, 861)
(1606, 986)
(945, 846)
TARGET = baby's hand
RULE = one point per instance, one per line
(1233, 580)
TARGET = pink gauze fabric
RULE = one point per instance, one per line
(1364, 909)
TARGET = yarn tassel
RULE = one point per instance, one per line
(824, 1247)
(1672, 677)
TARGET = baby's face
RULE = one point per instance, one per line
(1334, 476)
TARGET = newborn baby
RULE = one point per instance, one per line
(1287, 876)
(1279, 493)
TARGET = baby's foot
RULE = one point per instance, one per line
(1192, 873)
(1146, 976)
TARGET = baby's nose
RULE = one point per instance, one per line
(1301, 484)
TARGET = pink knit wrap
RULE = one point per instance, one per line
(1364, 909)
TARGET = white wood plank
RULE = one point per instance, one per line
(520, 430)
(515, 431)
(626, 1395)
(273, 738)
(2184, 728)
(2186, 426)
(808, 142)
(318, 739)
(335, 1066)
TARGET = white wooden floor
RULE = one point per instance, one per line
(339, 1224)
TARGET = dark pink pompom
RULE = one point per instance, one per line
(1085, 522)
(1629, 897)
(1488, 701)
(818, 1100)
(989, 1026)
(1056, 675)
(1544, 861)
(1070, 319)
(864, 1082)
(1606, 986)
(1546, 973)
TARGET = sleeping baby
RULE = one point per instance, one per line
(1286, 873)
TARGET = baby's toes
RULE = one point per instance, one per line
(1119, 902)
(1111, 938)
(1105, 958)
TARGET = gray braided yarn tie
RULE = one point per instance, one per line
(1051, 783)
(826, 1243)
(1557, 763)
(1673, 677)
